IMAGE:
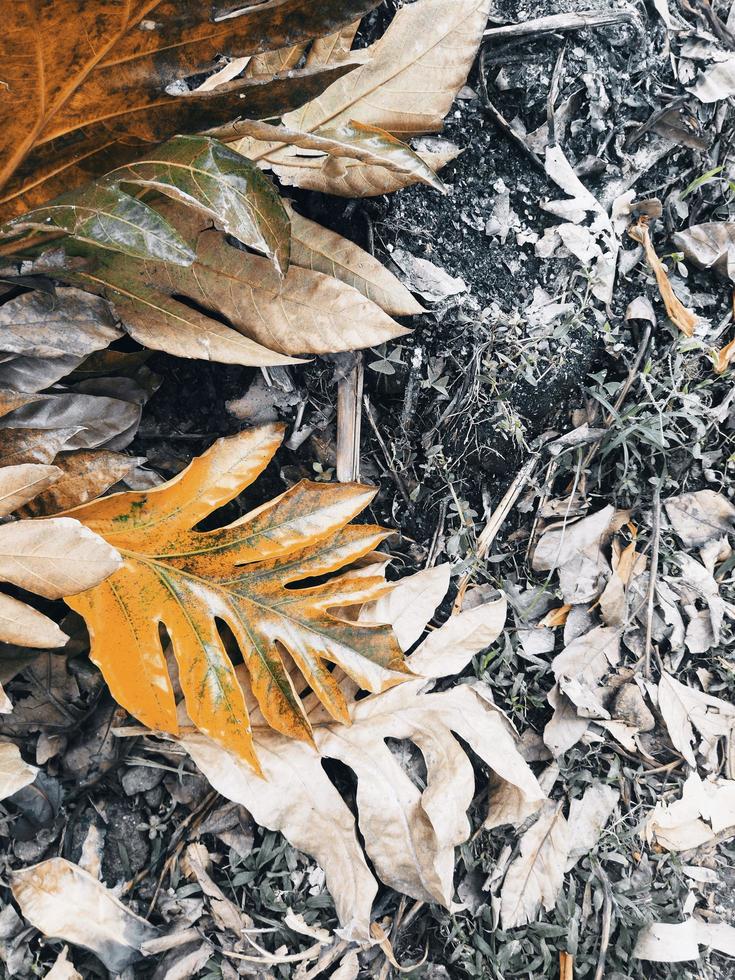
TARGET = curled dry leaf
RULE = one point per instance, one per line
(14, 772)
(408, 835)
(357, 152)
(239, 574)
(686, 320)
(535, 877)
(88, 421)
(90, 85)
(65, 902)
(45, 337)
(405, 88)
(709, 246)
(271, 316)
(700, 517)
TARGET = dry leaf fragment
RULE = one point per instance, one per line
(535, 877)
(709, 246)
(700, 517)
(705, 809)
(410, 604)
(226, 914)
(450, 648)
(322, 250)
(65, 902)
(588, 816)
(14, 772)
(675, 942)
(63, 968)
(686, 320)
(409, 836)
(239, 574)
(685, 709)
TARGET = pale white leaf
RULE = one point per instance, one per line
(575, 550)
(14, 772)
(26, 626)
(410, 604)
(700, 517)
(535, 877)
(685, 709)
(63, 968)
(706, 808)
(65, 902)
(664, 942)
(21, 483)
(54, 557)
(587, 817)
(450, 648)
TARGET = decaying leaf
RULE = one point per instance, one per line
(239, 574)
(535, 877)
(14, 772)
(700, 517)
(44, 337)
(63, 969)
(680, 316)
(65, 902)
(81, 476)
(89, 85)
(409, 836)
(212, 178)
(709, 246)
(303, 312)
(705, 809)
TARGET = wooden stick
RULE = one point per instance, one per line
(349, 422)
(564, 22)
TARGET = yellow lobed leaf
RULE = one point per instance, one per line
(245, 576)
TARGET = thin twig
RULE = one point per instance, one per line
(564, 22)
(501, 122)
(606, 920)
(650, 600)
(386, 455)
(349, 421)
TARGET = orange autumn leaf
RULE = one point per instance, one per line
(682, 317)
(243, 575)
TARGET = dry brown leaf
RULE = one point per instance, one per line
(65, 902)
(575, 550)
(33, 445)
(405, 87)
(55, 557)
(272, 316)
(686, 320)
(318, 248)
(82, 475)
(14, 772)
(333, 47)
